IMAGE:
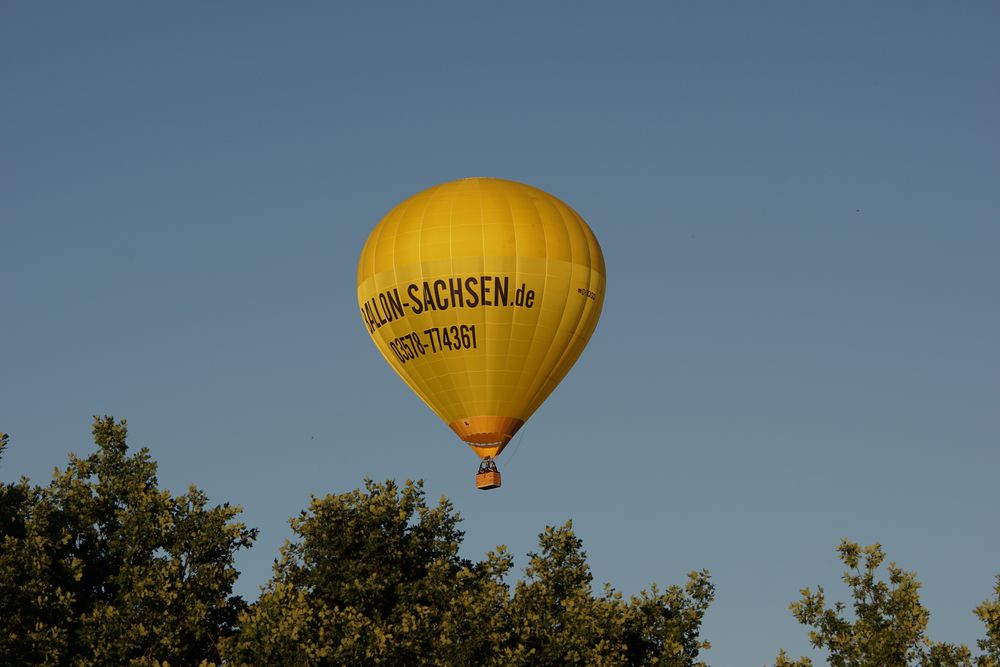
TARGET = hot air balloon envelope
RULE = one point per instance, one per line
(481, 293)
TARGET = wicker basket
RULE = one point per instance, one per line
(488, 480)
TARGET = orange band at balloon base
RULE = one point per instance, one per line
(487, 435)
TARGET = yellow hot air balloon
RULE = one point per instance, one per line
(481, 293)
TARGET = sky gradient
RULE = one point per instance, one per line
(798, 205)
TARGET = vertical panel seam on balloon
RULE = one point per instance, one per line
(542, 378)
(581, 323)
(490, 389)
(573, 349)
(426, 395)
(412, 375)
(438, 381)
(457, 403)
(461, 356)
(522, 409)
(531, 390)
(496, 394)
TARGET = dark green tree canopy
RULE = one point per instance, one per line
(102, 567)
(886, 623)
(374, 578)
(989, 613)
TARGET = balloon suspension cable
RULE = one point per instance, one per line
(517, 448)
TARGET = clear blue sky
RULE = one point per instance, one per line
(799, 205)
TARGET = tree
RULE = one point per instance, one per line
(103, 567)
(373, 577)
(989, 613)
(888, 622)
(13, 500)
(664, 628)
(559, 622)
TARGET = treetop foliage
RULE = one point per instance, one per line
(373, 577)
(989, 613)
(103, 567)
(887, 622)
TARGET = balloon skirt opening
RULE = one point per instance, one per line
(487, 435)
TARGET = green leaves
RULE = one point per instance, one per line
(887, 621)
(663, 628)
(374, 578)
(989, 613)
(103, 567)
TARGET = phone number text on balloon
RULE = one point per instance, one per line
(414, 345)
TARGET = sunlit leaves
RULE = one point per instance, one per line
(989, 613)
(103, 567)
(886, 622)
(374, 578)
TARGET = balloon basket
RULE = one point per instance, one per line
(488, 480)
(488, 476)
